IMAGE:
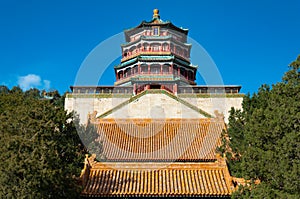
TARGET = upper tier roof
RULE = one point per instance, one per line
(156, 21)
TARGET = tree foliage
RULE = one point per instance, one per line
(263, 140)
(41, 153)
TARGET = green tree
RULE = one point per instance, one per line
(266, 137)
(4, 89)
(90, 139)
(40, 151)
(33, 92)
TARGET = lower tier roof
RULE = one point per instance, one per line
(121, 179)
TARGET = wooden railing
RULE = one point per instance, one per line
(152, 52)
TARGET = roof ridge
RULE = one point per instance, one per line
(193, 107)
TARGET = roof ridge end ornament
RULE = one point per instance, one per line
(219, 116)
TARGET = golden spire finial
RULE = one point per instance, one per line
(156, 13)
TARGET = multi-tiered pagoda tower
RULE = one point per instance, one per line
(155, 59)
(159, 129)
(157, 56)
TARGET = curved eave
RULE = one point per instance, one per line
(126, 63)
(185, 63)
(167, 24)
(146, 58)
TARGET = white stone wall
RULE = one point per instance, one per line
(155, 106)
(151, 106)
(222, 105)
(87, 105)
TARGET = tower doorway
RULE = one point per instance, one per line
(155, 86)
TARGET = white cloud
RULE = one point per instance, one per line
(47, 84)
(29, 81)
(33, 81)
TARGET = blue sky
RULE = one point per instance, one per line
(43, 43)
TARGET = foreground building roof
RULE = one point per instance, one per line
(146, 179)
(140, 161)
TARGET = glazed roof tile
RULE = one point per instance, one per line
(176, 179)
(159, 139)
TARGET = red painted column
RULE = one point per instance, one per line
(186, 74)
(178, 71)
(134, 89)
(148, 68)
(175, 89)
(139, 68)
(161, 69)
(171, 69)
(117, 76)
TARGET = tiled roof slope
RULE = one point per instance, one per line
(126, 179)
(160, 139)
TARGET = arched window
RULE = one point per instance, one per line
(144, 68)
(165, 47)
(135, 69)
(155, 69)
(155, 47)
(178, 50)
(120, 74)
(182, 72)
(127, 72)
(175, 70)
(166, 68)
(146, 47)
(125, 53)
(190, 75)
(172, 47)
(133, 49)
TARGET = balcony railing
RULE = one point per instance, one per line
(138, 52)
(101, 89)
(167, 76)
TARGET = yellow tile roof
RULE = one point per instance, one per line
(160, 157)
(177, 179)
(160, 139)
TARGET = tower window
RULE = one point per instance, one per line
(155, 48)
(156, 31)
